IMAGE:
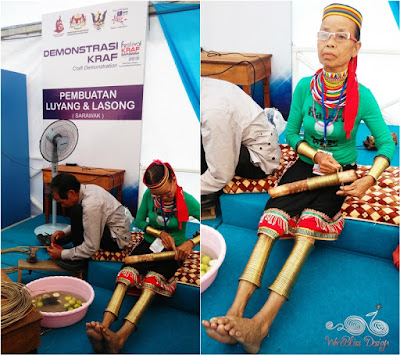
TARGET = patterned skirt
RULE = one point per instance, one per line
(313, 213)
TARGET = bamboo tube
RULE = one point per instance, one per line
(164, 255)
(313, 183)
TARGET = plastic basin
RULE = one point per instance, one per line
(66, 284)
(213, 241)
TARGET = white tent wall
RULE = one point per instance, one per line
(265, 27)
(170, 128)
(379, 56)
(249, 27)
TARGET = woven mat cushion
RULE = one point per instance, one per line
(188, 273)
(380, 204)
(104, 255)
(240, 185)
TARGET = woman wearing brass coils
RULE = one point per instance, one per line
(330, 106)
(162, 215)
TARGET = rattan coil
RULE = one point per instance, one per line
(18, 302)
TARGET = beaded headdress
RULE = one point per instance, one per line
(343, 10)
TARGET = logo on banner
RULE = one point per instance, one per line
(59, 28)
(356, 326)
(120, 18)
(77, 22)
(99, 19)
(130, 52)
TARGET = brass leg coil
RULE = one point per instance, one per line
(140, 306)
(116, 300)
(286, 279)
(255, 267)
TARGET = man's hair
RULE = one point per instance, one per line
(62, 184)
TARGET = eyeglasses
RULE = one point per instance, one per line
(166, 193)
(339, 37)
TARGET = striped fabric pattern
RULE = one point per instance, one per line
(343, 10)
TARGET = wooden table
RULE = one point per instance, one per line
(22, 336)
(106, 178)
(240, 74)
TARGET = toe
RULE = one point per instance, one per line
(214, 325)
(206, 324)
(221, 330)
(228, 326)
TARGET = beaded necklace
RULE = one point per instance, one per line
(167, 209)
(328, 89)
(335, 83)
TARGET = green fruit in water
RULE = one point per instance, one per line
(203, 267)
(67, 298)
(70, 308)
(205, 259)
(71, 302)
(209, 268)
(39, 304)
(202, 273)
(212, 262)
(66, 305)
(79, 302)
(76, 305)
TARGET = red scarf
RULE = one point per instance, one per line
(182, 213)
(352, 99)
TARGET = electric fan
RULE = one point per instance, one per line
(57, 143)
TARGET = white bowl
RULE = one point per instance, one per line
(66, 284)
(211, 240)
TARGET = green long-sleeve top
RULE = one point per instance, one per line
(344, 150)
(147, 209)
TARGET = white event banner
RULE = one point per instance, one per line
(93, 70)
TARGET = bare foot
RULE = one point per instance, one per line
(215, 330)
(247, 332)
(112, 342)
(95, 335)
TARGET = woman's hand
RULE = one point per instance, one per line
(358, 188)
(183, 251)
(167, 240)
(327, 164)
(57, 235)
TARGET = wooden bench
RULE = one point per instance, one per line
(43, 265)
